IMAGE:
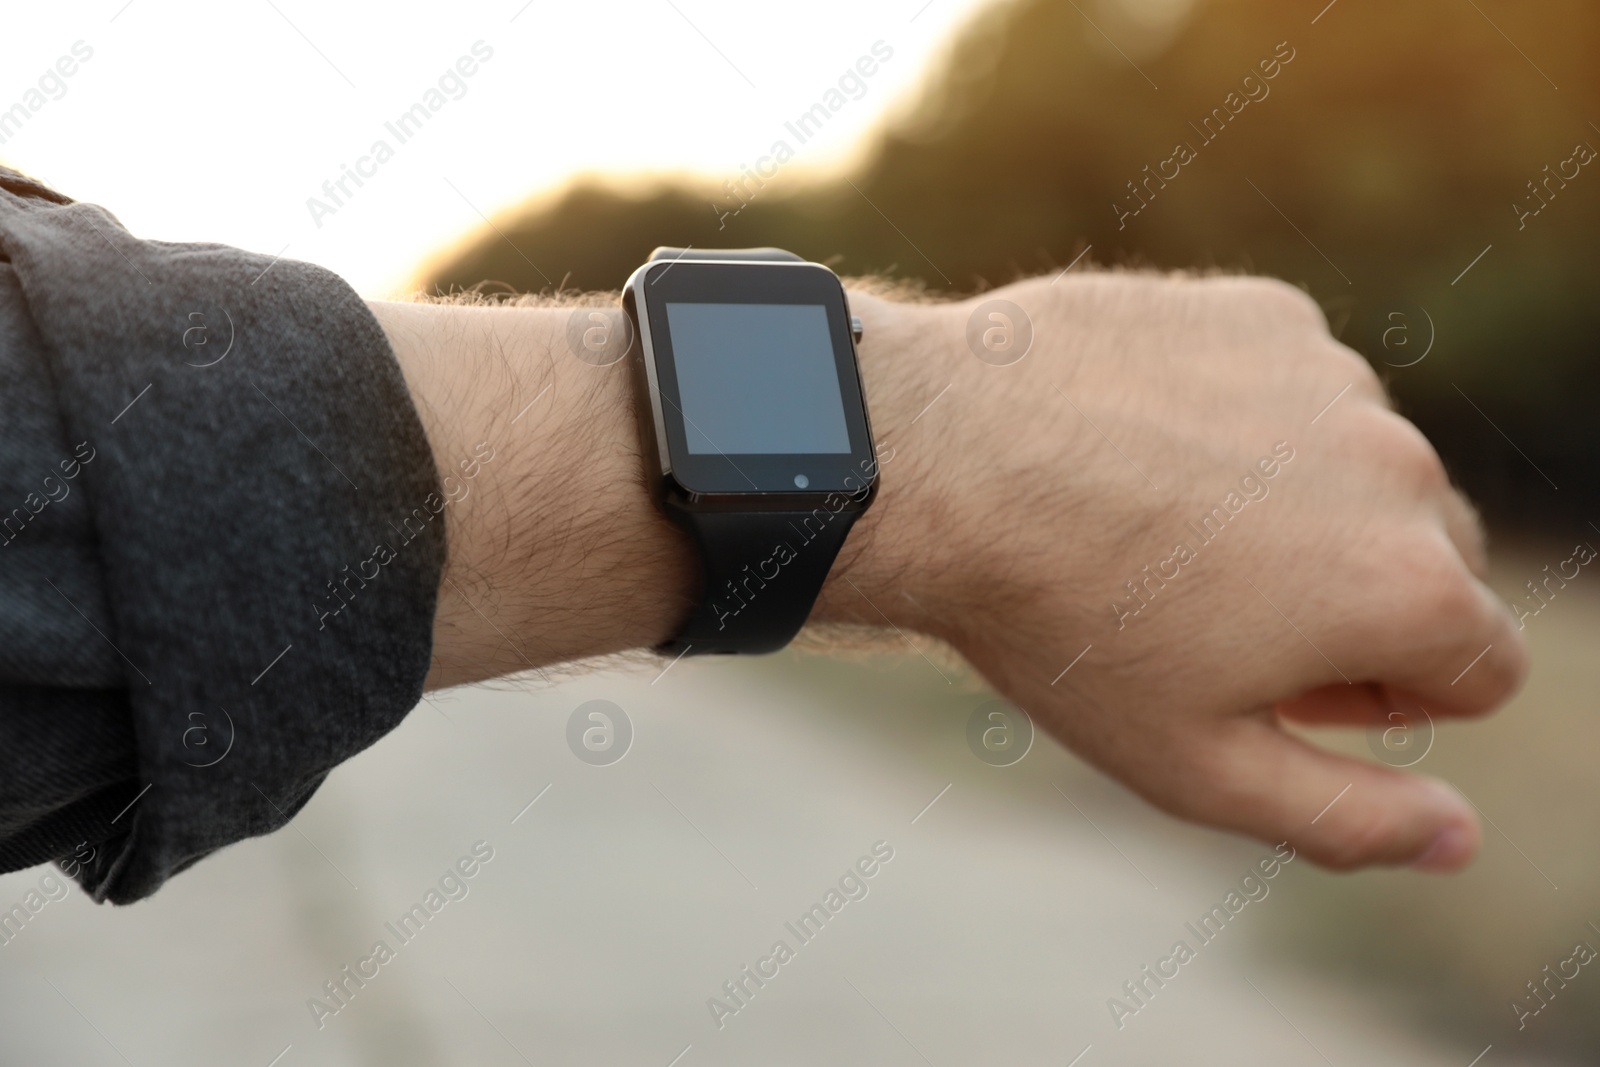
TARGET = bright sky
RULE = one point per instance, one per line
(215, 121)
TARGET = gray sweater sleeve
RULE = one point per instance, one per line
(220, 542)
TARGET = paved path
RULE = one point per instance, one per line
(1017, 902)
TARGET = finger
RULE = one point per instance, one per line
(1437, 633)
(1475, 669)
(1465, 529)
(1249, 775)
(1413, 459)
(1336, 705)
(1363, 704)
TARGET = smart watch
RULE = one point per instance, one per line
(754, 430)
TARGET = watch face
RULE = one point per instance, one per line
(754, 378)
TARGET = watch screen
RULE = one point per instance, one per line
(757, 379)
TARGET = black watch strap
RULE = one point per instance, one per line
(762, 573)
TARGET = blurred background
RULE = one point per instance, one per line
(1422, 170)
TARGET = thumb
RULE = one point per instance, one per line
(1250, 775)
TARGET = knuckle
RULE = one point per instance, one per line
(1437, 598)
(1290, 302)
(1468, 532)
(1354, 368)
(1413, 458)
(1499, 672)
(1256, 314)
(1400, 466)
(1515, 664)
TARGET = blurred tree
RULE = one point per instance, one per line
(1378, 163)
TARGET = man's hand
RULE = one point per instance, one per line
(1188, 478)
(1195, 479)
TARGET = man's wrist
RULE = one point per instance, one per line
(893, 568)
(556, 551)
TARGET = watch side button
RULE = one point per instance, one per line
(855, 328)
